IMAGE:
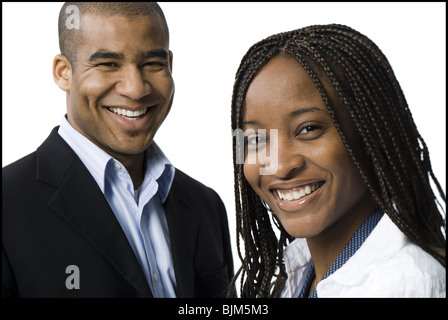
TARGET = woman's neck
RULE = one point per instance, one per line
(327, 246)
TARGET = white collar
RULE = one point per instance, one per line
(376, 248)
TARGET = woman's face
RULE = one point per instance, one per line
(315, 188)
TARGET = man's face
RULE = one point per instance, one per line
(121, 89)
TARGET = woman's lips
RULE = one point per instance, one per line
(298, 197)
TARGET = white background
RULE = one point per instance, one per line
(208, 41)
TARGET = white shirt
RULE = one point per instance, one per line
(386, 265)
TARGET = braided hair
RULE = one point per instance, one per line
(393, 161)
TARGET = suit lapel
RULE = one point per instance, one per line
(80, 202)
(183, 226)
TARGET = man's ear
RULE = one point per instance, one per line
(170, 60)
(62, 72)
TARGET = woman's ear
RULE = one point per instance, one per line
(62, 72)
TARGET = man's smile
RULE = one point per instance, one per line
(129, 114)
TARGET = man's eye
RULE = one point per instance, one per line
(107, 64)
(155, 64)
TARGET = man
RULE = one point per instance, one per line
(98, 210)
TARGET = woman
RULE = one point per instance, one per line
(349, 187)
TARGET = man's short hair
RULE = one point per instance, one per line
(69, 37)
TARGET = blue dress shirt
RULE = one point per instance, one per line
(139, 212)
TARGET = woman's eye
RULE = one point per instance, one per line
(308, 129)
(255, 140)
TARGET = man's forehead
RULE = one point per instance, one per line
(99, 19)
(103, 28)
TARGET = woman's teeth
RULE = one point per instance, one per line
(299, 192)
(128, 114)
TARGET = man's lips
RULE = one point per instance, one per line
(138, 117)
(129, 113)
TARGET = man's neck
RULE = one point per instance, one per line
(134, 164)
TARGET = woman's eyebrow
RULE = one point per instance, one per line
(294, 113)
(250, 122)
(301, 111)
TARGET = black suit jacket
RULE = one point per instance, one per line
(54, 215)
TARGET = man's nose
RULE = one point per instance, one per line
(133, 85)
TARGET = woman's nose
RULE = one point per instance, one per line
(289, 159)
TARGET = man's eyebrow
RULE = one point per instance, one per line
(156, 53)
(104, 54)
(294, 113)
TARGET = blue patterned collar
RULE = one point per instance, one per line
(352, 246)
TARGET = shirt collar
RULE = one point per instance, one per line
(157, 165)
(349, 250)
(383, 242)
(297, 254)
(93, 157)
(159, 168)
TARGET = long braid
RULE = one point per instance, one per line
(401, 119)
(398, 171)
(412, 223)
(261, 246)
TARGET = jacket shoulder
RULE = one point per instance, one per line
(194, 188)
(48, 154)
(19, 171)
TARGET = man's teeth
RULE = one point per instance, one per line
(129, 113)
(297, 193)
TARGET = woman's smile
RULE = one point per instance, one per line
(297, 198)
